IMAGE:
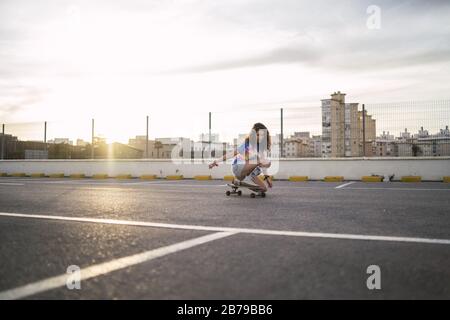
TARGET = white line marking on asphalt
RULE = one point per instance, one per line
(107, 267)
(11, 184)
(345, 184)
(404, 189)
(343, 236)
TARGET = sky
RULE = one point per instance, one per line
(66, 62)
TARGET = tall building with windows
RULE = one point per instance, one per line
(370, 137)
(326, 128)
(334, 124)
(317, 144)
(351, 130)
(342, 128)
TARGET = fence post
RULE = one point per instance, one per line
(364, 129)
(3, 142)
(281, 135)
(92, 140)
(209, 139)
(146, 141)
(45, 139)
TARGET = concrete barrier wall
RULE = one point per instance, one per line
(432, 169)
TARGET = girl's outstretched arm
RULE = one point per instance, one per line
(223, 158)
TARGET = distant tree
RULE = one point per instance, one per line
(59, 151)
(416, 150)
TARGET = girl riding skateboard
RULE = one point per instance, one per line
(250, 158)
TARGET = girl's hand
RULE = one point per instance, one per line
(214, 164)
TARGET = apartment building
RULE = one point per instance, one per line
(342, 125)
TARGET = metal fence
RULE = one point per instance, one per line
(403, 129)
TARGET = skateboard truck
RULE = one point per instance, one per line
(234, 190)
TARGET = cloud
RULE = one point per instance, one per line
(283, 55)
(15, 98)
(377, 55)
(331, 36)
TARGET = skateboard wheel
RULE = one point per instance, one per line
(228, 193)
(239, 193)
(252, 195)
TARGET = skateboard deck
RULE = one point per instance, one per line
(257, 191)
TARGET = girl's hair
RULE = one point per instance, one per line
(256, 128)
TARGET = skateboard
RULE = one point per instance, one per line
(256, 191)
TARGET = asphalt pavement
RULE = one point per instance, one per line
(135, 239)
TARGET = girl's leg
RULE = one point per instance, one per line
(269, 181)
(248, 168)
(260, 183)
(267, 178)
